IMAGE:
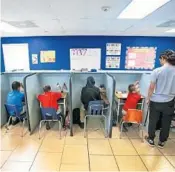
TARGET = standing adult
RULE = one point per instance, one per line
(161, 96)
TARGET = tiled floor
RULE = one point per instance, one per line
(94, 153)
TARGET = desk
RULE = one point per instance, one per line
(63, 101)
(120, 99)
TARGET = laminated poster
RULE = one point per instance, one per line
(34, 58)
(47, 56)
(112, 62)
(140, 58)
(113, 49)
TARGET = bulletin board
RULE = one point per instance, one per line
(85, 58)
(140, 58)
(47, 56)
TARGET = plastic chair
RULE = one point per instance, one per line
(50, 114)
(95, 109)
(133, 116)
(13, 112)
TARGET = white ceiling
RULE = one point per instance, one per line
(83, 17)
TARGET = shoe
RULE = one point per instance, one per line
(47, 126)
(14, 122)
(124, 128)
(149, 141)
(81, 124)
(161, 145)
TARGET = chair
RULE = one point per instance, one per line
(13, 112)
(50, 114)
(133, 116)
(95, 109)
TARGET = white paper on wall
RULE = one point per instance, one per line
(82, 58)
(113, 49)
(113, 62)
(16, 57)
(34, 58)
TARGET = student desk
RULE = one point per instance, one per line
(63, 101)
(120, 99)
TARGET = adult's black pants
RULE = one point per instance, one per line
(165, 111)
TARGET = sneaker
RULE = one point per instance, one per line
(47, 126)
(161, 145)
(149, 141)
(16, 121)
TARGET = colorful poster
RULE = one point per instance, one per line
(112, 62)
(34, 58)
(140, 58)
(47, 56)
(113, 49)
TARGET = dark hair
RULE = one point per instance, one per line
(16, 85)
(47, 88)
(131, 88)
(168, 55)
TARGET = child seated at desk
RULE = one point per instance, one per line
(16, 97)
(49, 99)
(132, 99)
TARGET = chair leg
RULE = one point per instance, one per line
(60, 125)
(8, 123)
(40, 128)
(23, 127)
(106, 133)
(85, 125)
(121, 129)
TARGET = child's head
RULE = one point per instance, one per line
(131, 88)
(47, 88)
(16, 85)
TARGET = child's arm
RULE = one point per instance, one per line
(136, 84)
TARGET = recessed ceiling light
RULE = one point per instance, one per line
(139, 9)
(105, 8)
(171, 31)
(5, 27)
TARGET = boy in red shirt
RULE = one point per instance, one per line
(132, 99)
(49, 99)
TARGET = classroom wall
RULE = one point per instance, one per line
(62, 45)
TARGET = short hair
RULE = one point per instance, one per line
(47, 88)
(166, 54)
(16, 85)
(131, 88)
(171, 59)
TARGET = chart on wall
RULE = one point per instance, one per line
(113, 62)
(113, 49)
(85, 58)
(47, 56)
(140, 58)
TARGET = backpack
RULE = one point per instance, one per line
(76, 116)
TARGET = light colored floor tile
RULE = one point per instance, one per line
(75, 154)
(75, 141)
(169, 148)
(122, 147)
(4, 155)
(144, 149)
(171, 159)
(10, 142)
(47, 161)
(17, 166)
(99, 147)
(132, 133)
(130, 163)
(52, 144)
(116, 133)
(172, 135)
(26, 151)
(95, 134)
(74, 167)
(157, 163)
(103, 163)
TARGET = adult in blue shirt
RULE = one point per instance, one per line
(161, 97)
(16, 97)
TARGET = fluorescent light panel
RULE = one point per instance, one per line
(139, 9)
(5, 27)
(171, 31)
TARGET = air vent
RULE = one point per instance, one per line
(170, 23)
(22, 24)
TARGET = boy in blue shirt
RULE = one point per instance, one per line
(16, 97)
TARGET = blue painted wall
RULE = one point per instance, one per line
(62, 45)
